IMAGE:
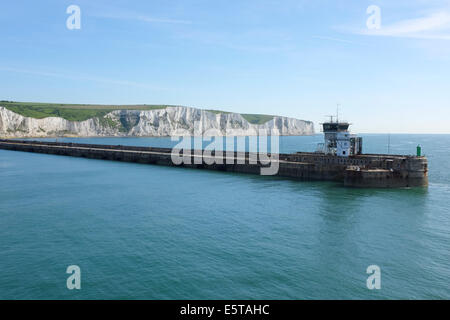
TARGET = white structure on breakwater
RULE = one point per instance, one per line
(338, 139)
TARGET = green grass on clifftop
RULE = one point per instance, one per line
(252, 118)
(257, 118)
(80, 112)
(72, 112)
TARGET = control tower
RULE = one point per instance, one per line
(338, 139)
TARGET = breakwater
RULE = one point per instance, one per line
(366, 170)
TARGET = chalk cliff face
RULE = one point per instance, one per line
(141, 123)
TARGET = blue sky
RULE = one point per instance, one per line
(291, 58)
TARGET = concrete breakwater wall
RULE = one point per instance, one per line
(355, 171)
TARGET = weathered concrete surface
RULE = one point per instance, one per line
(386, 171)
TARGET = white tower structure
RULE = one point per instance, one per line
(339, 141)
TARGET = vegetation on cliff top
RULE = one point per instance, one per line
(80, 112)
(257, 118)
(72, 112)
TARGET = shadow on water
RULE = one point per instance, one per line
(340, 199)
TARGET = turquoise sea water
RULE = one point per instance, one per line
(152, 232)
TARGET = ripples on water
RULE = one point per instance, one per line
(142, 231)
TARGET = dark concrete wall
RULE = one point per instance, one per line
(368, 170)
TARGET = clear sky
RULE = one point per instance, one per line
(290, 57)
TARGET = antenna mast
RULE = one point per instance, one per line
(389, 143)
(337, 112)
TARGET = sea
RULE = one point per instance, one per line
(139, 231)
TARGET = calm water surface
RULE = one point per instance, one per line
(151, 232)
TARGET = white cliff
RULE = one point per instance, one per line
(141, 123)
